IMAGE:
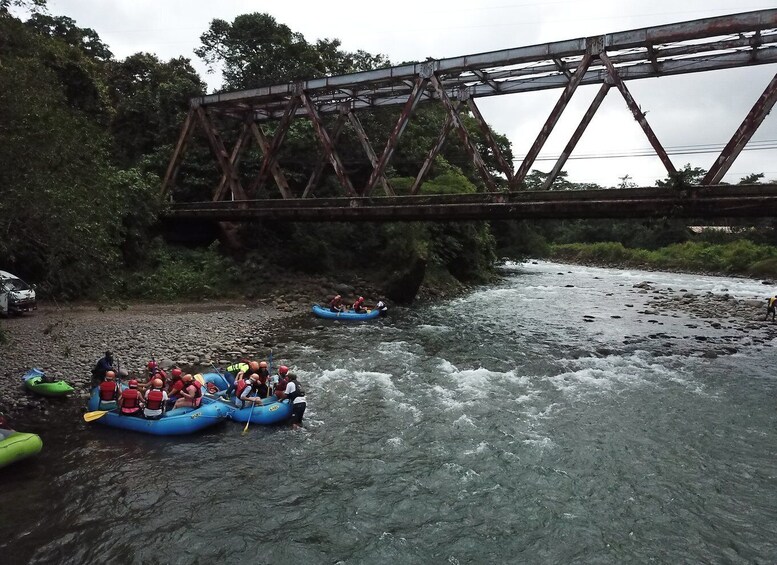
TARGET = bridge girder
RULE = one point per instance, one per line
(731, 41)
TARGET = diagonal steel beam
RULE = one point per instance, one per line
(275, 169)
(427, 164)
(234, 159)
(323, 160)
(367, 146)
(391, 144)
(180, 148)
(217, 146)
(597, 101)
(742, 136)
(504, 166)
(270, 157)
(463, 134)
(327, 145)
(639, 115)
(552, 120)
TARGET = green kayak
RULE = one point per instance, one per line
(33, 381)
(18, 446)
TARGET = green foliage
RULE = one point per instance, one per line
(685, 177)
(255, 50)
(742, 257)
(175, 273)
(150, 98)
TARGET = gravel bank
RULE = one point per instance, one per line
(66, 342)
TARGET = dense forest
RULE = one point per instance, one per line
(85, 140)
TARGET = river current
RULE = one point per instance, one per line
(544, 419)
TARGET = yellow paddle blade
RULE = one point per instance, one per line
(245, 430)
(199, 378)
(89, 416)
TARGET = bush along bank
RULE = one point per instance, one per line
(739, 258)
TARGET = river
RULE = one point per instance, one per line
(544, 419)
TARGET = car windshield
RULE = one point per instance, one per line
(15, 284)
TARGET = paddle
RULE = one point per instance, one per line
(97, 414)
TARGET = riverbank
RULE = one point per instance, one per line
(66, 340)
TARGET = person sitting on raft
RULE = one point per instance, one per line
(130, 400)
(175, 385)
(191, 393)
(255, 390)
(109, 392)
(156, 400)
(358, 306)
(336, 304)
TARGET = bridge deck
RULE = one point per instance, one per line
(708, 202)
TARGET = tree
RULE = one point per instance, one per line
(255, 50)
(687, 176)
(65, 29)
(150, 99)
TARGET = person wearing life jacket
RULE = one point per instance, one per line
(358, 306)
(381, 307)
(191, 393)
(130, 400)
(175, 384)
(278, 382)
(156, 400)
(254, 391)
(238, 371)
(109, 392)
(240, 385)
(296, 397)
(336, 304)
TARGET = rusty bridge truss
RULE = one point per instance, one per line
(610, 61)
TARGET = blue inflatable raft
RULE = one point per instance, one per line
(272, 411)
(174, 422)
(323, 312)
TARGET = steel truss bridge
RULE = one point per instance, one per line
(610, 61)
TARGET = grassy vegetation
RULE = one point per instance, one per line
(741, 257)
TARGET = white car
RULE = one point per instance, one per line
(16, 296)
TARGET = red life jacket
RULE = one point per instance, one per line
(130, 401)
(155, 399)
(108, 390)
(240, 387)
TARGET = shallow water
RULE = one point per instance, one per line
(503, 427)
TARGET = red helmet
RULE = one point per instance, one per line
(158, 383)
(177, 372)
(188, 377)
(110, 375)
(361, 299)
(133, 383)
(151, 365)
(161, 374)
(263, 365)
(282, 370)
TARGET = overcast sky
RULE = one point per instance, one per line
(687, 110)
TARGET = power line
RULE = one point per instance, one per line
(649, 152)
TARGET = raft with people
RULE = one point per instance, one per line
(18, 446)
(178, 421)
(35, 380)
(323, 312)
(271, 411)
